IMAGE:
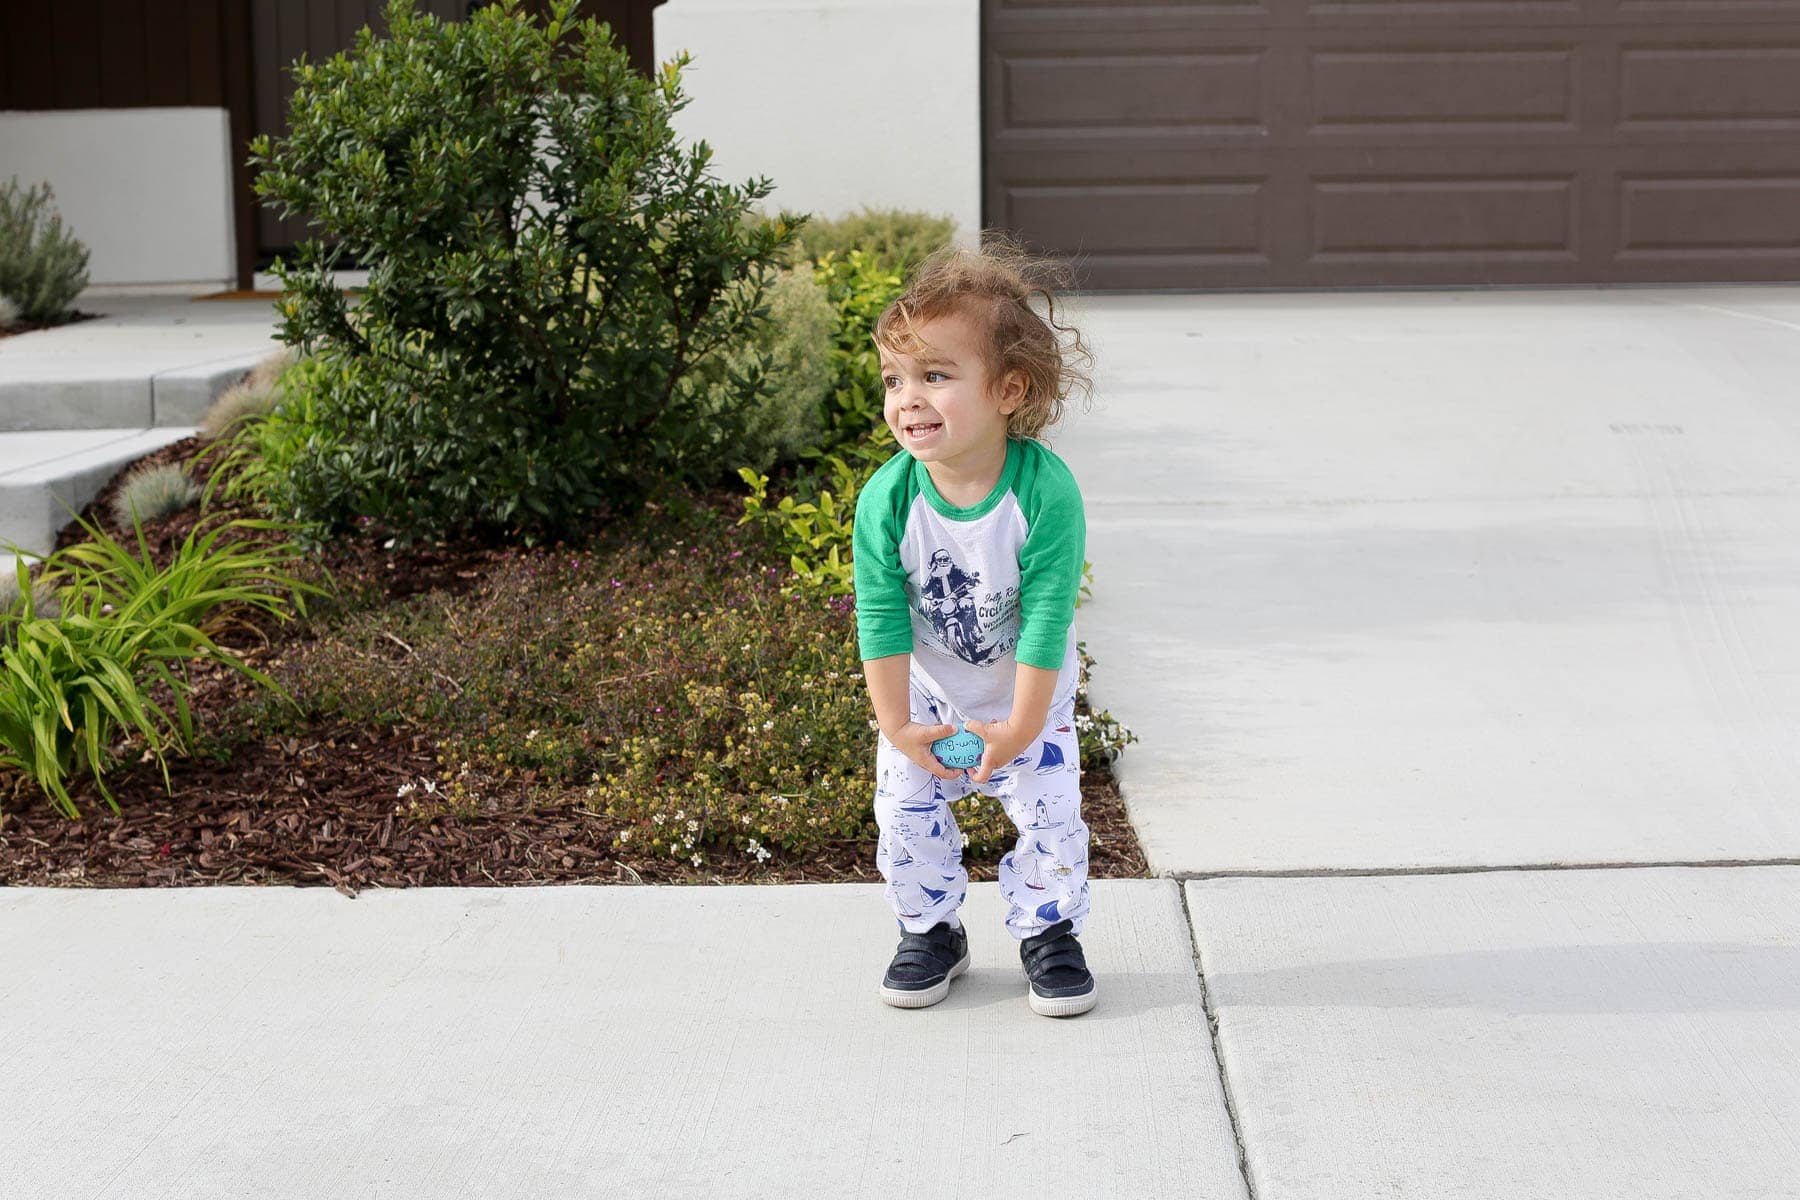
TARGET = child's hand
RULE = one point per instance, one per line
(1004, 743)
(914, 740)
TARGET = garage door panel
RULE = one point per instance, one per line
(1690, 88)
(1431, 88)
(1675, 218)
(1207, 145)
(1211, 91)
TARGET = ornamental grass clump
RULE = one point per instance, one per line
(155, 493)
(547, 264)
(69, 684)
(234, 405)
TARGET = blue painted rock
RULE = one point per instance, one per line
(961, 749)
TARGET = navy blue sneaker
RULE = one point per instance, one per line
(1061, 985)
(923, 966)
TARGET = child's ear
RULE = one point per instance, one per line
(1012, 391)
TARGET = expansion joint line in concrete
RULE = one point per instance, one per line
(1326, 872)
(1212, 1027)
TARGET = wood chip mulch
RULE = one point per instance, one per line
(321, 809)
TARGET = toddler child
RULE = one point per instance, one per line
(969, 546)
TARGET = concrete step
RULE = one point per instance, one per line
(40, 468)
(178, 396)
(153, 361)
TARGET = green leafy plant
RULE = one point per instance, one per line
(813, 533)
(68, 683)
(860, 288)
(154, 493)
(547, 264)
(42, 267)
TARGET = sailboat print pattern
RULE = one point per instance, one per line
(1043, 878)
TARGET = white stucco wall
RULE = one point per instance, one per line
(842, 103)
(148, 190)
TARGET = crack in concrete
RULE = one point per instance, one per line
(1212, 1028)
(1323, 872)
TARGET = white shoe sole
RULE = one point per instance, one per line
(925, 997)
(1061, 1006)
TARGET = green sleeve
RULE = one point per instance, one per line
(883, 619)
(1049, 561)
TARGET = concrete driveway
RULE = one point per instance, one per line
(1418, 600)
(1437, 580)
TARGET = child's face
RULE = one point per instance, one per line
(943, 406)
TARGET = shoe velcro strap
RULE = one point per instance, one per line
(924, 954)
(1048, 958)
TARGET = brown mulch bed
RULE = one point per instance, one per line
(320, 809)
(14, 330)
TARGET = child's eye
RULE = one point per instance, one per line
(890, 382)
(939, 374)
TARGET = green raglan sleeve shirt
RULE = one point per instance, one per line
(883, 618)
(1050, 561)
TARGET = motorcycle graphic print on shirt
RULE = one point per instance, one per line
(961, 615)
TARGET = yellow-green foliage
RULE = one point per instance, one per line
(156, 492)
(895, 237)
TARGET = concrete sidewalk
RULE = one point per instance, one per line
(1405, 593)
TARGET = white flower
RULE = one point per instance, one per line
(625, 835)
(965, 840)
(657, 817)
(696, 860)
(768, 725)
(693, 825)
(806, 739)
(405, 788)
(531, 735)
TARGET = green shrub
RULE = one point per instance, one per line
(259, 453)
(67, 683)
(795, 342)
(859, 287)
(546, 265)
(895, 238)
(42, 268)
(155, 492)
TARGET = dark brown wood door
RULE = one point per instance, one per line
(1284, 143)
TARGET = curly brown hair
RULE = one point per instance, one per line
(996, 286)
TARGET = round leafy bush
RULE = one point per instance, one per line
(547, 265)
(796, 344)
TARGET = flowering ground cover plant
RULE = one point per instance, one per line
(473, 713)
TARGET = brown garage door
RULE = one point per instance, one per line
(1295, 144)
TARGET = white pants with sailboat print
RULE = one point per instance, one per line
(1043, 878)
